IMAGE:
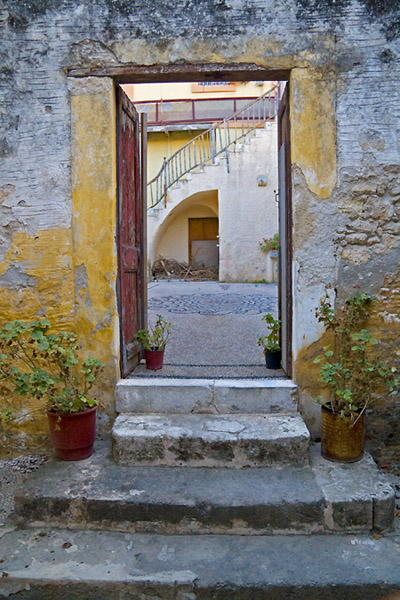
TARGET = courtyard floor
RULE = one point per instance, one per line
(215, 328)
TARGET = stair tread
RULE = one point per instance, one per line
(213, 427)
(98, 493)
(226, 567)
(212, 396)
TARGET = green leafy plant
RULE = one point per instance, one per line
(268, 244)
(36, 362)
(352, 368)
(156, 337)
(270, 342)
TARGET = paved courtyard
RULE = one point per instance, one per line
(215, 327)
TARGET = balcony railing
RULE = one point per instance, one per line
(177, 112)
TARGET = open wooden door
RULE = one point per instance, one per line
(285, 232)
(131, 221)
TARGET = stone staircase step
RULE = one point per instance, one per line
(50, 564)
(197, 440)
(100, 494)
(97, 493)
(218, 396)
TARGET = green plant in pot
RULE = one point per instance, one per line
(354, 375)
(154, 341)
(271, 342)
(38, 362)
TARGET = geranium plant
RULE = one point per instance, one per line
(268, 244)
(155, 338)
(38, 362)
(352, 368)
(270, 342)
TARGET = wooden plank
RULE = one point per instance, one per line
(175, 73)
(285, 232)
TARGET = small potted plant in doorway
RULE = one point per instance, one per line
(354, 374)
(270, 246)
(271, 343)
(41, 363)
(154, 341)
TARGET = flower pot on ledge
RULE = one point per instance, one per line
(154, 359)
(273, 359)
(73, 435)
(341, 440)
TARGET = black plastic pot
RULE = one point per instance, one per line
(273, 359)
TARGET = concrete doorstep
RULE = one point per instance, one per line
(42, 564)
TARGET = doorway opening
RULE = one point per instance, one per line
(214, 323)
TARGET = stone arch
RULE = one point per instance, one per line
(174, 229)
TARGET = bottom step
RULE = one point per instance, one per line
(90, 565)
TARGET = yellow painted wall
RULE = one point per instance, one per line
(173, 91)
(93, 224)
(68, 275)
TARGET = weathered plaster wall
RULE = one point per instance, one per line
(344, 62)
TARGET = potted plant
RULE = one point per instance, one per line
(154, 341)
(354, 375)
(270, 245)
(271, 343)
(36, 362)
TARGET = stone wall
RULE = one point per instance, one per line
(57, 151)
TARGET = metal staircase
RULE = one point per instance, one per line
(215, 142)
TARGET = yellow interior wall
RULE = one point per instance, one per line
(160, 144)
(175, 91)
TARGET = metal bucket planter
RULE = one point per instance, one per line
(154, 359)
(341, 441)
(73, 435)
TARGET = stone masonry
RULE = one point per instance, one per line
(59, 62)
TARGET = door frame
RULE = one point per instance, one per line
(214, 72)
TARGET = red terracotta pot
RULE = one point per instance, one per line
(73, 435)
(154, 359)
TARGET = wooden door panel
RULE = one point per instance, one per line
(285, 232)
(129, 231)
(211, 228)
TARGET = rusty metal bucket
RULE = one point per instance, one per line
(340, 441)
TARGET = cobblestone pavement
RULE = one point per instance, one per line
(215, 327)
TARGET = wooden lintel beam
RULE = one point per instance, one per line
(182, 72)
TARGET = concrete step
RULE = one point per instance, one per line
(98, 494)
(196, 440)
(48, 564)
(213, 396)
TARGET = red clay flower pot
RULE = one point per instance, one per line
(154, 359)
(73, 435)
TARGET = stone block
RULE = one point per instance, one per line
(185, 396)
(210, 440)
(357, 495)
